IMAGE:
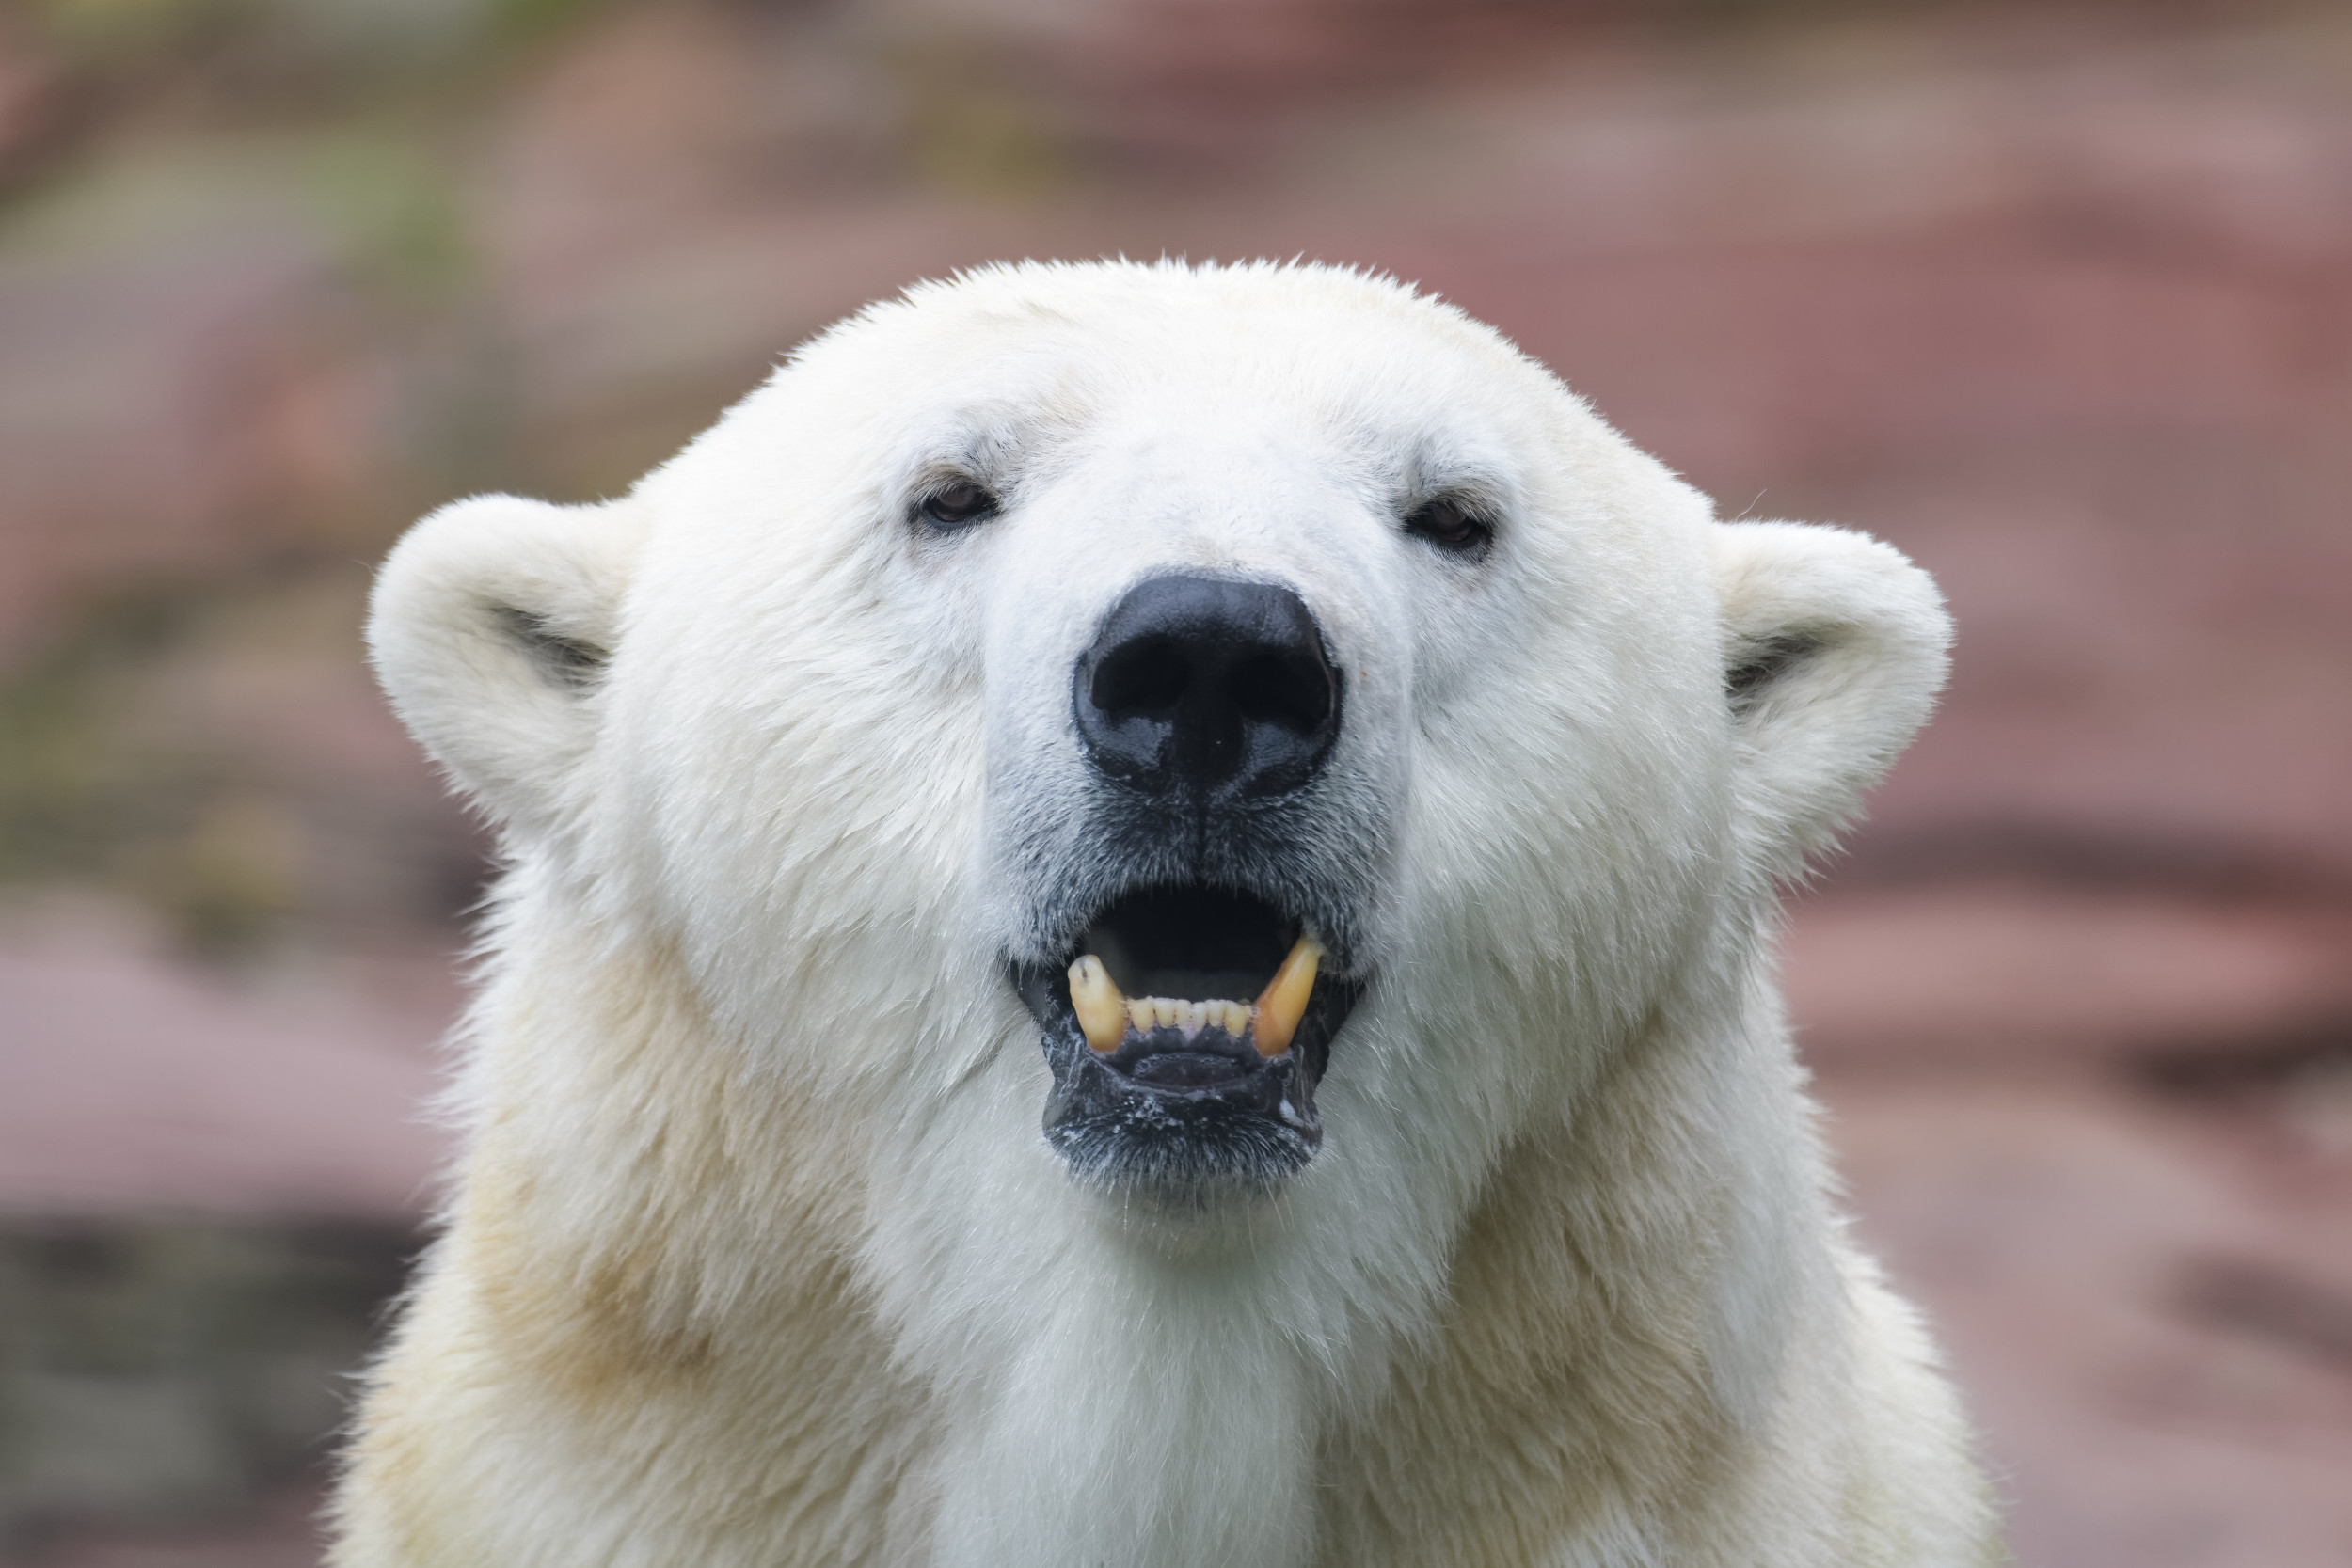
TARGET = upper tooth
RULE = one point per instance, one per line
(1283, 1002)
(1094, 996)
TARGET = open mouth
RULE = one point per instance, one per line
(1187, 1034)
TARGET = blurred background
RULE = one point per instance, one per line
(2056, 296)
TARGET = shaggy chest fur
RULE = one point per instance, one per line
(1136, 935)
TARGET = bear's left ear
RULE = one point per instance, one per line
(1834, 647)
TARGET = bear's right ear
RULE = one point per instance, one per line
(489, 627)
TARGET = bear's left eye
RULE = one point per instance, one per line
(1451, 526)
(958, 504)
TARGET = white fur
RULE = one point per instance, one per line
(759, 1256)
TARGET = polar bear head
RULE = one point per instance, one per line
(1263, 685)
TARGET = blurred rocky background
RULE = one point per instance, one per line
(2058, 296)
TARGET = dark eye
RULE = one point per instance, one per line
(958, 504)
(1451, 526)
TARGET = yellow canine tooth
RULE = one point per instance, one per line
(1094, 996)
(1275, 1016)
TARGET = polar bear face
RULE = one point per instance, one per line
(1264, 686)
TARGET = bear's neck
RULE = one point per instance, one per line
(708, 1311)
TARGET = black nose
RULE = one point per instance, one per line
(1207, 686)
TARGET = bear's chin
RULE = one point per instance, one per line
(1190, 1144)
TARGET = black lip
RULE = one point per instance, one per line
(1167, 1113)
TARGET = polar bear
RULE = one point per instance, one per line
(1136, 930)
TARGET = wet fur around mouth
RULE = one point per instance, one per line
(1176, 1113)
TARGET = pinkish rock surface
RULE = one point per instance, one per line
(135, 1082)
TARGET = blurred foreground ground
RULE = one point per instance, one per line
(2057, 299)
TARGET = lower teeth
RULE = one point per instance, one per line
(1105, 1015)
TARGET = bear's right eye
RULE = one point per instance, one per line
(957, 505)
